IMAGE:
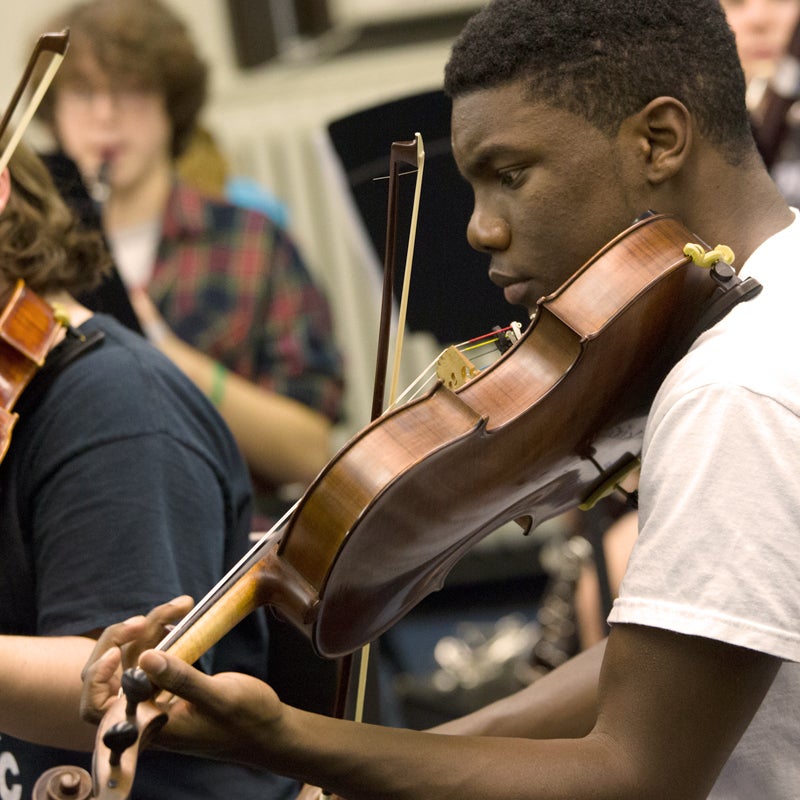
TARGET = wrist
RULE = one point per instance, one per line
(219, 376)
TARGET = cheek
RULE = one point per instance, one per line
(150, 134)
(70, 133)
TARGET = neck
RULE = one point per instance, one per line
(139, 202)
(76, 313)
(739, 206)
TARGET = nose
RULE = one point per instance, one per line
(102, 104)
(486, 232)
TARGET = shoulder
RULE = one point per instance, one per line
(192, 211)
(748, 350)
(125, 388)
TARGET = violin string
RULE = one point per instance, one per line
(247, 560)
(386, 177)
(413, 390)
(428, 373)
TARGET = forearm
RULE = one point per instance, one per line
(40, 686)
(360, 761)
(670, 710)
(282, 440)
(562, 704)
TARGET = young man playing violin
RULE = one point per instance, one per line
(121, 488)
(569, 120)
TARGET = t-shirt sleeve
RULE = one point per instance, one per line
(717, 552)
(122, 526)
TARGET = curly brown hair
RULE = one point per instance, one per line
(137, 43)
(40, 238)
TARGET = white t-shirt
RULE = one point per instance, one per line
(718, 553)
(134, 251)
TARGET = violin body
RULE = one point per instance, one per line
(28, 329)
(532, 436)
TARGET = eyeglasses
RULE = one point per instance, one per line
(86, 99)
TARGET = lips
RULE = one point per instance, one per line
(517, 294)
(515, 290)
(108, 154)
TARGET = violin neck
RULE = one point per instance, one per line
(238, 594)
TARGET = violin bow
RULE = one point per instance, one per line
(54, 43)
(409, 153)
(413, 154)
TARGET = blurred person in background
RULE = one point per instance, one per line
(764, 30)
(121, 486)
(222, 290)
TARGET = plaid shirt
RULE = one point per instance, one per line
(232, 284)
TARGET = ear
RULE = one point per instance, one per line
(664, 130)
(5, 189)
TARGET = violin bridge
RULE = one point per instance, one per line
(454, 369)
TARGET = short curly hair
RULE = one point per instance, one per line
(41, 240)
(606, 59)
(139, 42)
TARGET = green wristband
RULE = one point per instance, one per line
(217, 383)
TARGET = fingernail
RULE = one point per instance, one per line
(156, 662)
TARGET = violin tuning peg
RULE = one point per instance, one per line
(137, 688)
(118, 738)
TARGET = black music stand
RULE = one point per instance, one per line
(451, 295)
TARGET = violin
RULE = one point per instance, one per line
(28, 326)
(28, 330)
(555, 423)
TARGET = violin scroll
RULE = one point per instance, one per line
(63, 783)
(125, 730)
(127, 726)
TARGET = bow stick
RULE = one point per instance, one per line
(410, 153)
(56, 44)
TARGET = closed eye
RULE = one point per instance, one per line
(511, 178)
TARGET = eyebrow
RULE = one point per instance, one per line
(486, 155)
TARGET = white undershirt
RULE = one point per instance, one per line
(134, 251)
